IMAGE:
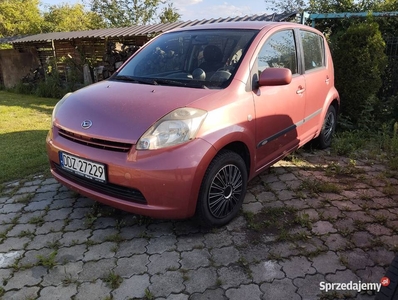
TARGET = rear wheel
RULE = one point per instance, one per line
(324, 139)
(223, 189)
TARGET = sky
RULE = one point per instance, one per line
(204, 9)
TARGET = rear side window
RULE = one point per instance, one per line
(314, 50)
(279, 51)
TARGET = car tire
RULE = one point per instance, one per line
(390, 292)
(324, 139)
(223, 190)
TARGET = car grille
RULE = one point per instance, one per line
(95, 143)
(109, 189)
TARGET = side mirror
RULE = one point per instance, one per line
(275, 76)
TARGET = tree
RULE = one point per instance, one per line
(359, 61)
(19, 17)
(169, 14)
(67, 17)
(123, 13)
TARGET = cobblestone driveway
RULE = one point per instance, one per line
(55, 244)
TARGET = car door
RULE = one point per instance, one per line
(318, 78)
(279, 109)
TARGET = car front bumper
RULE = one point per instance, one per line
(161, 183)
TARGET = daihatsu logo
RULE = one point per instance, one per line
(87, 124)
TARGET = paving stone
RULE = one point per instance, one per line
(309, 287)
(381, 256)
(238, 224)
(358, 216)
(335, 241)
(48, 188)
(279, 289)
(58, 214)
(133, 287)
(254, 207)
(371, 274)
(101, 235)
(32, 257)
(63, 274)
(199, 280)
(186, 227)
(283, 250)
(93, 270)
(93, 290)
(131, 232)
(83, 202)
(49, 227)
(21, 279)
(105, 223)
(103, 250)
(195, 259)
(27, 189)
(266, 197)
(345, 276)
(80, 213)
(323, 227)
(218, 240)
(46, 198)
(59, 292)
(267, 271)
(210, 294)
(297, 267)
(333, 263)
(160, 229)
(75, 237)
(390, 241)
(175, 297)
(129, 248)
(224, 256)
(11, 208)
(8, 259)
(25, 293)
(165, 284)
(135, 265)
(362, 239)
(21, 229)
(161, 244)
(357, 259)
(249, 198)
(57, 204)
(233, 276)
(378, 230)
(13, 244)
(71, 254)
(44, 240)
(75, 224)
(190, 242)
(160, 263)
(247, 292)
(256, 253)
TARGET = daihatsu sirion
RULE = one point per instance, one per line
(193, 115)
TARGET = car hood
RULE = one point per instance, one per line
(122, 111)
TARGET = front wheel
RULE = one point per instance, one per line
(329, 125)
(223, 189)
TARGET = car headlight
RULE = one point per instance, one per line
(57, 106)
(179, 126)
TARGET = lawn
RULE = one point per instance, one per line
(24, 123)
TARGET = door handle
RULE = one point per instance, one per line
(300, 90)
(327, 80)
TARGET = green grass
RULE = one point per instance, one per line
(24, 123)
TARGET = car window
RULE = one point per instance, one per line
(279, 51)
(314, 51)
(205, 57)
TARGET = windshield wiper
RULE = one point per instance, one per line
(179, 83)
(136, 79)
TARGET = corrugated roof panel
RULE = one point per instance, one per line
(143, 30)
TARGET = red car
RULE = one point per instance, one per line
(183, 125)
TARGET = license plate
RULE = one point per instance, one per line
(83, 167)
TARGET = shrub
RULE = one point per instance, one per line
(360, 61)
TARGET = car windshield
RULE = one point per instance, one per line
(196, 58)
